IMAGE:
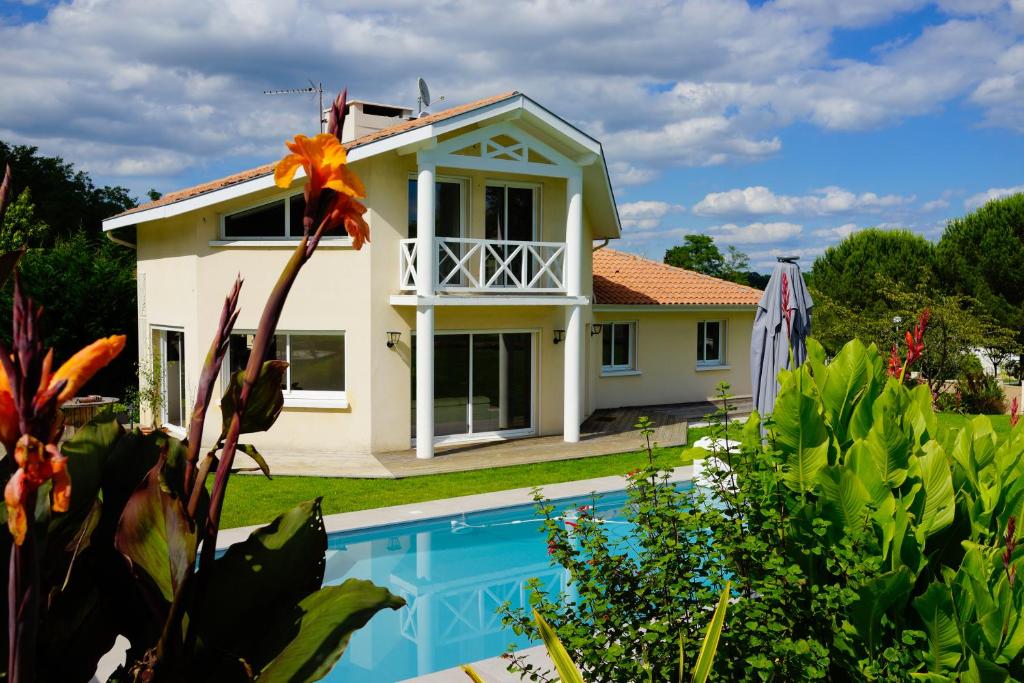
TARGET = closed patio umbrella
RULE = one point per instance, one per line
(774, 335)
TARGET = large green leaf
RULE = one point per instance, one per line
(846, 380)
(943, 647)
(801, 434)
(874, 599)
(890, 445)
(920, 415)
(323, 624)
(845, 499)
(939, 501)
(156, 536)
(702, 669)
(567, 670)
(259, 581)
(265, 401)
(980, 670)
(70, 533)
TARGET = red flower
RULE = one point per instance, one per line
(915, 341)
(895, 362)
(1014, 412)
(571, 525)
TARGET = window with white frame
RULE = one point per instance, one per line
(711, 342)
(450, 207)
(618, 347)
(316, 363)
(278, 219)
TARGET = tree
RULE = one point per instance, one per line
(699, 253)
(66, 199)
(77, 269)
(21, 226)
(958, 326)
(846, 271)
(736, 266)
(981, 256)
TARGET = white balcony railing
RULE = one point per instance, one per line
(476, 265)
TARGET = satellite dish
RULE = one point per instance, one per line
(424, 92)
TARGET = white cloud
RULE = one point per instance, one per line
(843, 231)
(754, 233)
(761, 200)
(645, 214)
(977, 200)
(692, 83)
(935, 204)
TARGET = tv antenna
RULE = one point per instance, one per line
(317, 88)
(423, 101)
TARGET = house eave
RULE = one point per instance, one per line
(673, 308)
(406, 139)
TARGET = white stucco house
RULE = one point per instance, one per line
(488, 304)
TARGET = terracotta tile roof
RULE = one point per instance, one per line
(267, 169)
(627, 279)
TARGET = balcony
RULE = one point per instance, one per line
(467, 265)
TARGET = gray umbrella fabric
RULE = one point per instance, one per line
(771, 339)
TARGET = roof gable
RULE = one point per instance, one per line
(629, 280)
(596, 179)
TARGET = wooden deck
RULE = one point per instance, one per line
(603, 433)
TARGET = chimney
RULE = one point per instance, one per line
(364, 118)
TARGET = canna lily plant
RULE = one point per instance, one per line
(127, 545)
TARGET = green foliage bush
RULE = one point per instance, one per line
(981, 393)
(864, 541)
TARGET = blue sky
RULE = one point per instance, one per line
(779, 127)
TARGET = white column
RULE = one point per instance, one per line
(574, 351)
(425, 311)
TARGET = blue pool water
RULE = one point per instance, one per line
(453, 572)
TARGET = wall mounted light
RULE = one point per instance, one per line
(559, 336)
(596, 329)
(393, 338)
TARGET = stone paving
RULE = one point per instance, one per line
(605, 432)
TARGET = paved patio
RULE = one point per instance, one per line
(605, 432)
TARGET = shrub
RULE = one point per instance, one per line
(864, 541)
(981, 393)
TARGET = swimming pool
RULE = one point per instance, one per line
(453, 572)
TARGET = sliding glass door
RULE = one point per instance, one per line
(483, 383)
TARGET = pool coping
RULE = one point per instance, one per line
(363, 520)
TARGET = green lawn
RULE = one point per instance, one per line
(255, 500)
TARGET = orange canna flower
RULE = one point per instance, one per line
(325, 162)
(80, 368)
(348, 212)
(37, 464)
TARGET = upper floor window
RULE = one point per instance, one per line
(316, 362)
(279, 219)
(711, 342)
(510, 211)
(449, 207)
(618, 347)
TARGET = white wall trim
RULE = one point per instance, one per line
(325, 243)
(674, 308)
(488, 300)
